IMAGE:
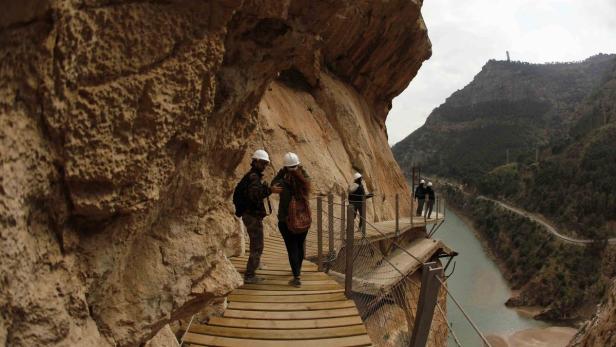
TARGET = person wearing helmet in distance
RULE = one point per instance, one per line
(248, 200)
(357, 194)
(292, 181)
(420, 196)
(431, 199)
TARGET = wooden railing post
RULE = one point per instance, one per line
(412, 210)
(342, 216)
(397, 214)
(330, 224)
(363, 212)
(428, 297)
(320, 232)
(444, 207)
(350, 240)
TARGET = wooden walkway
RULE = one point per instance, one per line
(273, 313)
(387, 229)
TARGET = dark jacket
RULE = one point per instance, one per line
(420, 192)
(256, 191)
(356, 196)
(430, 193)
(284, 179)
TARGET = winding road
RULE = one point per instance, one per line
(550, 228)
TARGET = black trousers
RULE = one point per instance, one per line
(429, 206)
(358, 210)
(420, 206)
(295, 247)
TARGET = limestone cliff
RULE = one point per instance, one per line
(123, 125)
(600, 330)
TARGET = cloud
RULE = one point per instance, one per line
(466, 34)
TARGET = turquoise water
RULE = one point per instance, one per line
(479, 287)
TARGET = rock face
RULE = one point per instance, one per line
(600, 330)
(124, 124)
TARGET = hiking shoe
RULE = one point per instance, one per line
(252, 280)
(295, 282)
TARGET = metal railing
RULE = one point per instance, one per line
(364, 267)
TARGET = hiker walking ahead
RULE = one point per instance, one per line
(248, 200)
(420, 195)
(357, 194)
(293, 184)
(431, 198)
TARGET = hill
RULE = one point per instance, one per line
(509, 106)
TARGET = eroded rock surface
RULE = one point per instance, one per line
(123, 125)
(600, 330)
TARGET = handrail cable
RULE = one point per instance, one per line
(443, 285)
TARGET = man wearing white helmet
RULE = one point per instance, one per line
(357, 195)
(431, 198)
(420, 196)
(248, 200)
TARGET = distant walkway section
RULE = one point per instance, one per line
(549, 227)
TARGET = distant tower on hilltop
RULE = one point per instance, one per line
(508, 59)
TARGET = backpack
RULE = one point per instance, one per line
(299, 218)
(239, 196)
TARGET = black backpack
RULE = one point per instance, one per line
(239, 195)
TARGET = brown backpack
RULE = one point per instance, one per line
(299, 218)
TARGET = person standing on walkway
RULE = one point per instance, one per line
(420, 196)
(357, 195)
(292, 182)
(431, 199)
(248, 200)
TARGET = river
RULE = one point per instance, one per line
(479, 286)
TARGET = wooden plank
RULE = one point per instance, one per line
(272, 313)
(287, 334)
(343, 312)
(281, 281)
(309, 267)
(287, 273)
(285, 324)
(285, 292)
(287, 298)
(205, 340)
(306, 306)
(304, 287)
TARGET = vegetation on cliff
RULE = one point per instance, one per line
(556, 123)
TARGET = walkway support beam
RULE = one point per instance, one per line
(320, 232)
(428, 297)
(330, 225)
(363, 213)
(342, 216)
(348, 270)
(397, 214)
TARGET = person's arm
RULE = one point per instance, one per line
(257, 190)
(277, 182)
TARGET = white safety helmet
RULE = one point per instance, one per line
(422, 181)
(356, 176)
(261, 155)
(429, 184)
(290, 159)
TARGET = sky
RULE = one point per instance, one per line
(465, 34)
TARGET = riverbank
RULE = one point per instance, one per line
(541, 336)
(544, 337)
